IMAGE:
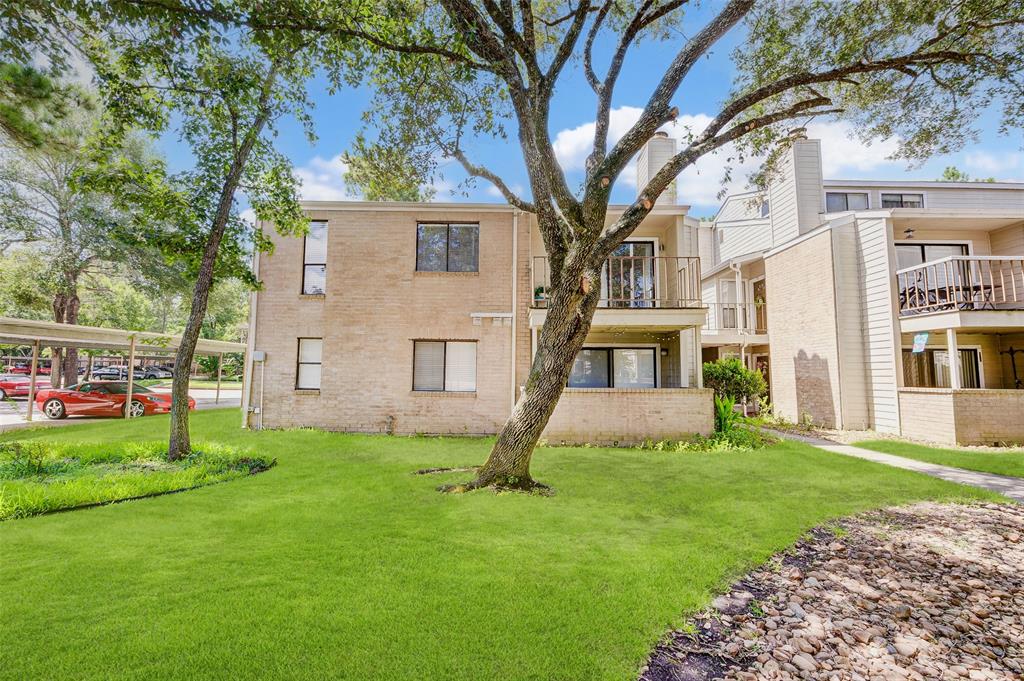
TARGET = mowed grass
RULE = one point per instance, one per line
(340, 563)
(1009, 463)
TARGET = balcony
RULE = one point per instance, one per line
(747, 318)
(962, 291)
(658, 293)
(635, 282)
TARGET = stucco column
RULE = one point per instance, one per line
(698, 363)
(954, 359)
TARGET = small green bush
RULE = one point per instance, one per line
(737, 439)
(729, 378)
(725, 414)
(41, 477)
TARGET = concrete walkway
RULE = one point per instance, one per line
(1007, 486)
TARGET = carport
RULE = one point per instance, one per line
(39, 334)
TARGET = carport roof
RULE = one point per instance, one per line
(51, 334)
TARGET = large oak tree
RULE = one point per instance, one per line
(460, 69)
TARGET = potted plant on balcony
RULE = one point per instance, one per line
(540, 294)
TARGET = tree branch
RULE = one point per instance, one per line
(492, 177)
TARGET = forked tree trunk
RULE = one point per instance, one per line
(566, 326)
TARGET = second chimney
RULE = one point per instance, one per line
(652, 157)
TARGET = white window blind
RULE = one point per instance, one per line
(460, 367)
(444, 365)
(309, 364)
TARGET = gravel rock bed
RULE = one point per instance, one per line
(930, 591)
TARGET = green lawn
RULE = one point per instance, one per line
(339, 563)
(1002, 463)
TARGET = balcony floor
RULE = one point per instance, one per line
(654, 319)
(994, 321)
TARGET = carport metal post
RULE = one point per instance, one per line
(32, 380)
(131, 377)
(220, 372)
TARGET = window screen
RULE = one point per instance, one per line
(591, 369)
(307, 376)
(837, 202)
(314, 259)
(447, 248)
(634, 367)
(444, 366)
(902, 200)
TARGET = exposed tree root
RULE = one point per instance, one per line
(443, 469)
(498, 485)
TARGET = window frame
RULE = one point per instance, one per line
(299, 362)
(929, 352)
(846, 199)
(447, 245)
(610, 349)
(902, 195)
(444, 364)
(305, 264)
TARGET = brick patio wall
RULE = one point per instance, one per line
(624, 416)
(966, 417)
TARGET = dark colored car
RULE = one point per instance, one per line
(103, 398)
(17, 385)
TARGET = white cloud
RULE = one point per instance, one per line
(323, 179)
(991, 163)
(249, 215)
(701, 183)
(491, 190)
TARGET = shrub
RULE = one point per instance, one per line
(729, 378)
(737, 439)
(40, 477)
(725, 414)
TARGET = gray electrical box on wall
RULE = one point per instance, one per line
(259, 356)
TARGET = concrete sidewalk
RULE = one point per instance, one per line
(1007, 486)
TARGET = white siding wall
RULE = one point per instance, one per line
(850, 327)
(709, 296)
(741, 240)
(882, 360)
(652, 157)
(796, 197)
(953, 198)
(739, 207)
(1008, 240)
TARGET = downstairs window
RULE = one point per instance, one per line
(614, 368)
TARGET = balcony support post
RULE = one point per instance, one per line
(954, 359)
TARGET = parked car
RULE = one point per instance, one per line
(103, 398)
(25, 369)
(118, 373)
(17, 385)
(156, 372)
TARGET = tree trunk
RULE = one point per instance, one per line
(566, 326)
(180, 445)
(70, 363)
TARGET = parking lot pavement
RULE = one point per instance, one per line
(12, 412)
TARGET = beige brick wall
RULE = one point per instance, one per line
(989, 416)
(966, 417)
(802, 332)
(607, 416)
(927, 414)
(375, 306)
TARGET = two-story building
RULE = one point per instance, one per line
(891, 305)
(422, 318)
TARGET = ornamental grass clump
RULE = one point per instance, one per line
(43, 477)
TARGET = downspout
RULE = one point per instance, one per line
(250, 342)
(515, 283)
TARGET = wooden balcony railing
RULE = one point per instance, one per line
(635, 282)
(742, 317)
(962, 282)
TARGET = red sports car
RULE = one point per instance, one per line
(26, 369)
(14, 385)
(103, 398)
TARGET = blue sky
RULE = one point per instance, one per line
(337, 119)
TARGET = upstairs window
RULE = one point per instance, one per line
(837, 202)
(443, 247)
(765, 208)
(902, 200)
(444, 366)
(310, 357)
(314, 259)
